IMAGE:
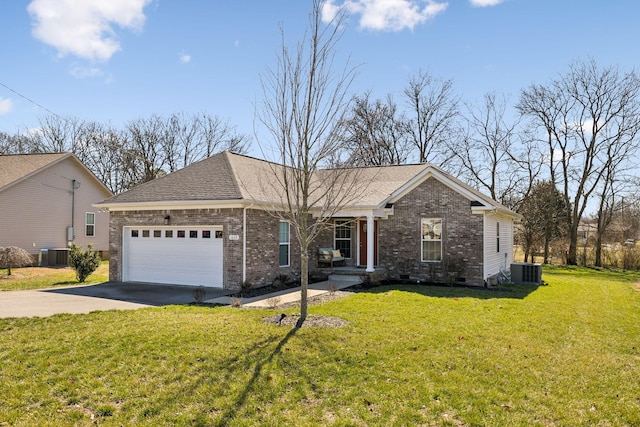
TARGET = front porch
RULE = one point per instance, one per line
(377, 274)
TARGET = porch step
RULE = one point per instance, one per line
(345, 278)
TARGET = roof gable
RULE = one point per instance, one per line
(15, 168)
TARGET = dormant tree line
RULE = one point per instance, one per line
(145, 149)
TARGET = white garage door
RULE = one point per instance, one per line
(173, 255)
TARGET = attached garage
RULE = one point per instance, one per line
(173, 255)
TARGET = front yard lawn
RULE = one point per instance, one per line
(48, 277)
(563, 354)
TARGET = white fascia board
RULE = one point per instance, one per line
(359, 213)
(166, 205)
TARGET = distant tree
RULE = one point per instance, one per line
(305, 107)
(543, 219)
(431, 116)
(586, 118)
(493, 154)
(13, 256)
(376, 133)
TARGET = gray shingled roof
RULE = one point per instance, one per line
(16, 167)
(228, 177)
(208, 179)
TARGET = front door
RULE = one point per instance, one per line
(362, 227)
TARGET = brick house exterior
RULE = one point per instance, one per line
(425, 222)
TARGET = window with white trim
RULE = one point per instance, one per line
(284, 244)
(497, 237)
(342, 240)
(431, 237)
(90, 224)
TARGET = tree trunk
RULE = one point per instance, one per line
(547, 241)
(572, 256)
(304, 285)
(598, 262)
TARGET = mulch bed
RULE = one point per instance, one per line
(312, 321)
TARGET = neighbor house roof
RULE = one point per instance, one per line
(17, 167)
(230, 177)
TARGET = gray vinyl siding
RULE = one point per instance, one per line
(35, 212)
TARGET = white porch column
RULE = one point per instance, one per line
(370, 243)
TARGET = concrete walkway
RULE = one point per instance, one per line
(292, 295)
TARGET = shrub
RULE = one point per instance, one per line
(280, 280)
(13, 256)
(274, 301)
(83, 262)
(199, 294)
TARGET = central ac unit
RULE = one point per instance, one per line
(525, 273)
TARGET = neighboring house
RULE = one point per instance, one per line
(210, 224)
(46, 202)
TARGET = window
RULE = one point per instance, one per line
(157, 233)
(145, 233)
(193, 234)
(168, 234)
(284, 244)
(431, 239)
(90, 224)
(497, 237)
(206, 234)
(181, 234)
(134, 233)
(343, 237)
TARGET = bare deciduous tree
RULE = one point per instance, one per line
(582, 115)
(305, 106)
(493, 155)
(376, 133)
(433, 110)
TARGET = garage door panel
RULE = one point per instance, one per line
(187, 261)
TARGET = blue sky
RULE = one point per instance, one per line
(118, 60)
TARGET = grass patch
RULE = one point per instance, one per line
(562, 354)
(48, 277)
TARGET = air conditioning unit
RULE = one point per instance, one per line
(525, 273)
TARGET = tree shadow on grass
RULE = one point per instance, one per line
(231, 412)
(509, 291)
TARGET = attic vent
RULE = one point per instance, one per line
(475, 203)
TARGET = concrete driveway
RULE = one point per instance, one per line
(103, 296)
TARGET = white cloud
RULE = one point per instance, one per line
(185, 58)
(82, 72)
(485, 3)
(84, 28)
(386, 15)
(6, 105)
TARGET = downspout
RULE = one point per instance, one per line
(484, 247)
(73, 199)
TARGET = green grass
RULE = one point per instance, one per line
(563, 354)
(47, 277)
